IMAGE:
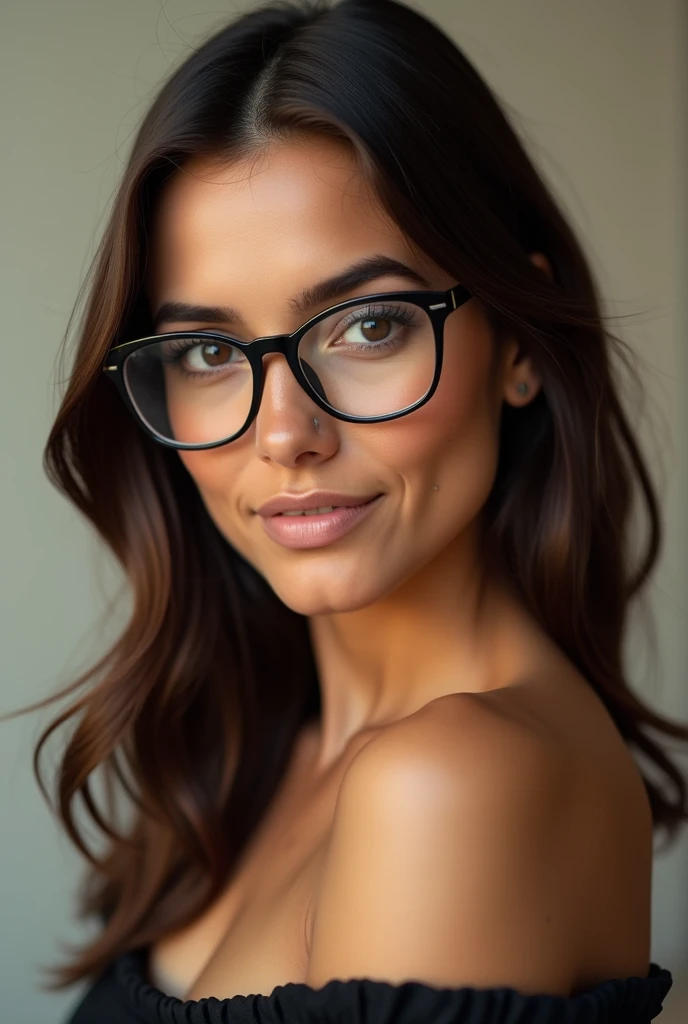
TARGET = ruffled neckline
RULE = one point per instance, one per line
(630, 1000)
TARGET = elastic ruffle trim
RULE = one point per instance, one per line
(631, 1000)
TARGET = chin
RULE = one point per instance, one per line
(325, 596)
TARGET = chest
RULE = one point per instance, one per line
(256, 935)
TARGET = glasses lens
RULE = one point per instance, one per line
(372, 359)
(190, 390)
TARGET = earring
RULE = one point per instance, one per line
(522, 388)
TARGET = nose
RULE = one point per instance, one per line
(284, 428)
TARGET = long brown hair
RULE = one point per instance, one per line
(192, 714)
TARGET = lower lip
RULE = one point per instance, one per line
(317, 530)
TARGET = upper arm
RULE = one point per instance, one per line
(444, 862)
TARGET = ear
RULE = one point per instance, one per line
(520, 380)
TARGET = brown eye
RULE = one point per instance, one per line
(209, 355)
(375, 329)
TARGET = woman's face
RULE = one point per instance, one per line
(252, 235)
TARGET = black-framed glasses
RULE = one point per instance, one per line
(372, 358)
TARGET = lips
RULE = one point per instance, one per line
(321, 529)
(311, 512)
(310, 501)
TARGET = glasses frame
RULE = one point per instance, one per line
(437, 304)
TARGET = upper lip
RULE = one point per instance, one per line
(313, 499)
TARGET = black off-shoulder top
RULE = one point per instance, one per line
(122, 995)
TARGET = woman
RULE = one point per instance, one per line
(367, 736)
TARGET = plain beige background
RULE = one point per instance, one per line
(597, 89)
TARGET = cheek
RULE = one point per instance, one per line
(453, 440)
(200, 412)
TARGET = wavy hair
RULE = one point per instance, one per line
(191, 716)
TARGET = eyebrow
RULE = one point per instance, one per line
(367, 269)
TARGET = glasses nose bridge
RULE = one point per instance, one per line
(269, 343)
(282, 344)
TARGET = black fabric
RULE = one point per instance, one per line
(123, 996)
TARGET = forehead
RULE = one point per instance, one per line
(293, 211)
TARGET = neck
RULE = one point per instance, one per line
(440, 632)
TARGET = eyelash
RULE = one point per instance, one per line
(404, 316)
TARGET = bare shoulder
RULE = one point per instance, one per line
(470, 847)
(550, 739)
(443, 862)
(464, 743)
